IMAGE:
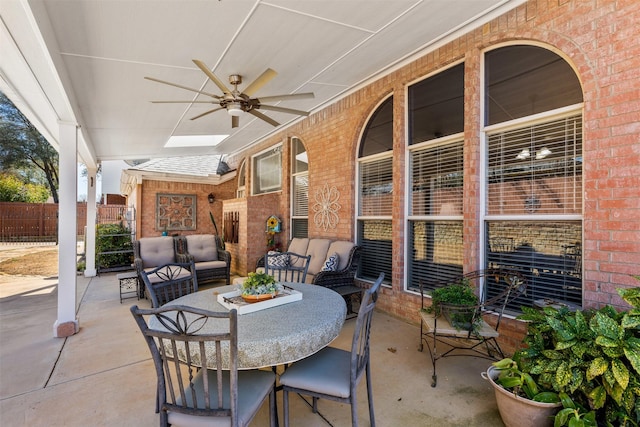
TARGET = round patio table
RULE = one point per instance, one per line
(277, 335)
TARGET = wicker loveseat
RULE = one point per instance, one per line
(320, 250)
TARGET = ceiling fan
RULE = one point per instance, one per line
(235, 102)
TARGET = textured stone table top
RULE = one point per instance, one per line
(281, 334)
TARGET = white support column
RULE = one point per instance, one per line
(67, 323)
(90, 236)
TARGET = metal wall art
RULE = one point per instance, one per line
(326, 207)
(175, 212)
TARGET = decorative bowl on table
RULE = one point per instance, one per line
(259, 287)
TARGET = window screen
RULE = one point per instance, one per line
(267, 172)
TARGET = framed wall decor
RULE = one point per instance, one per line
(175, 212)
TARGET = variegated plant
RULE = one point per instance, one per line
(591, 356)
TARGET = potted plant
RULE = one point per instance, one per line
(259, 286)
(458, 303)
(590, 358)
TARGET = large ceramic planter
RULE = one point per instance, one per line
(518, 411)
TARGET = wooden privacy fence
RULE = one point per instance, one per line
(38, 222)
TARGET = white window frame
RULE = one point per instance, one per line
(258, 161)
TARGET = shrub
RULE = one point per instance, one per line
(113, 246)
(591, 356)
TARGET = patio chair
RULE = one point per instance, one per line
(152, 252)
(500, 286)
(287, 266)
(169, 281)
(211, 260)
(188, 394)
(333, 373)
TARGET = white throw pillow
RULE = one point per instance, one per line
(331, 263)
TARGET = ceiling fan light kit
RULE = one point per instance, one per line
(237, 103)
(234, 109)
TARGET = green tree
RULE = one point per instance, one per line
(13, 189)
(24, 151)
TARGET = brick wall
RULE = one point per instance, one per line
(146, 226)
(600, 40)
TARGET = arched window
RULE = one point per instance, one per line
(299, 189)
(533, 174)
(375, 194)
(242, 181)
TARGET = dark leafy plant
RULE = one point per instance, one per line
(592, 356)
(113, 246)
(458, 302)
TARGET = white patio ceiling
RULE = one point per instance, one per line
(84, 61)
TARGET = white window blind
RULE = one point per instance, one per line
(301, 195)
(536, 169)
(533, 208)
(435, 240)
(436, 180)
(376, 187)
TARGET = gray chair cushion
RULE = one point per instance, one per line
(156, 251)
(325, 372)
(253, 387)
(202, 247)
(209, 265)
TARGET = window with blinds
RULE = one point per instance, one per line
(375, 194)
(374, 225)
(299, 189)
(267, 171)
(435, 238)
(376, 187)
(536, 169)
(533, 180)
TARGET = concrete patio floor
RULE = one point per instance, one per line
(103, 375)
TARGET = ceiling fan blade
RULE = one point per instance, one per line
(212, 76)
(263, 117)
(235, 121)
(182, 87)
(282, 109)
(207, 112)
(262, 80)
(184, 102)
(275, 98)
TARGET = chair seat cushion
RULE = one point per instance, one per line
(253, 387)
(210, 265)
(325, 372)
